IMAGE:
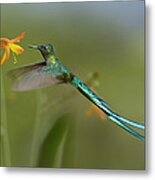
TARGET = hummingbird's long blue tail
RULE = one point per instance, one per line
(119, 120)
(125, 127)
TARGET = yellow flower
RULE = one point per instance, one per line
(94, 108)
(10, 45)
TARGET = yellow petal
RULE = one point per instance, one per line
(7, 50)
(89, 111)
(93, 109)
(5, 56)
(15, 48)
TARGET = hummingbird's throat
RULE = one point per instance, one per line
(53, 59)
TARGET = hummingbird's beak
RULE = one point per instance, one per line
(33, 46)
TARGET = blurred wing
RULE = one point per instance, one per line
(32, 77)
(15, 73)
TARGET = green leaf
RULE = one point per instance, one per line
(52, 149)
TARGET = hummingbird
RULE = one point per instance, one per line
(51, 71)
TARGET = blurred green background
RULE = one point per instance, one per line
(49, 127)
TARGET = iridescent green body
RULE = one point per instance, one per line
(52, 71)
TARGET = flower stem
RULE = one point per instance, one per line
(5, 154)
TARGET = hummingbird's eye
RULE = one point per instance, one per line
(44, 48)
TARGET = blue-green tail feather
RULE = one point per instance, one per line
(119, 120)
(125, 127)
(127, 121)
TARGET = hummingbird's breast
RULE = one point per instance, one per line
(60, 72)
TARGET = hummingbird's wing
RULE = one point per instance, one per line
(15, 73)
(32, 76)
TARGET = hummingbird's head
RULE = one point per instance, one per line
(45, 49)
